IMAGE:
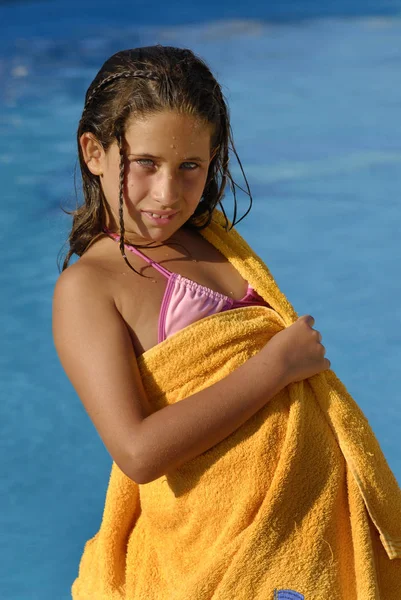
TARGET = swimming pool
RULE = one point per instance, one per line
(315, 104)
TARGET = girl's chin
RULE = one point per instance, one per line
(151, 232)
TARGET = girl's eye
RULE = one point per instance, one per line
(145, 162)
(148, 162)
(189, 166)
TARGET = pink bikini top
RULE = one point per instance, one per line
(186, 301)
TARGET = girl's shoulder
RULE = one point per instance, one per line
(82, 276)
(99, 284)
(79, 294)
(90, 275)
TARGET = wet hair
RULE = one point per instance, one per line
(141, 82)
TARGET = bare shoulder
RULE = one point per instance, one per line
(80, 279)
(83, 303)
(95, 350)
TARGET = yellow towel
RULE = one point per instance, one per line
(299, 498)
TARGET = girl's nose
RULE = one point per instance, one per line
(165, 189)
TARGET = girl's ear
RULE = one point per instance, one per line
(93, 153)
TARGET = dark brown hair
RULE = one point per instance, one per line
(143, 81)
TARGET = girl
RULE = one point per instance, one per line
(154, 141)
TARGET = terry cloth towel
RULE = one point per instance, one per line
(298, 501)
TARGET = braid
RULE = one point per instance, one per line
(121, 198)
(121, 204)
(125, 74)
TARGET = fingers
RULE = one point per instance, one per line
(326, 361)
(309, 319)
(317, 335)
(319, 341)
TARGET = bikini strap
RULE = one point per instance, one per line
(151, 262)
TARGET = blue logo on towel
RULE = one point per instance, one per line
(288, 595)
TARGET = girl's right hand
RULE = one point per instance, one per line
(300, 350)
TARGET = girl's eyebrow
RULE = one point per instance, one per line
(146, 155)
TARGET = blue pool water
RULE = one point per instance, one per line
(315, 98)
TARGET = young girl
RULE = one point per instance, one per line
(149, 288)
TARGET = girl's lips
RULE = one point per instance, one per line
(161, 213)
(162, 220)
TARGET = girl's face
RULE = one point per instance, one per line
(167, 160)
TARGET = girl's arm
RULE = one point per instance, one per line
(96, 352)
